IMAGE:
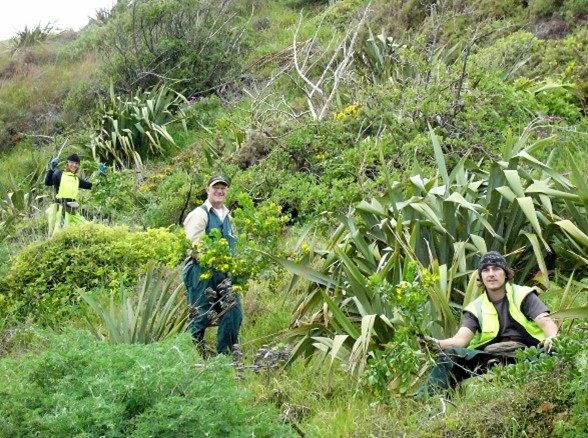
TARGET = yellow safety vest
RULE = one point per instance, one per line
(69, 186)
(483, 309)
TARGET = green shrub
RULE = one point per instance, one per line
(575, 10)
(42, 279)
(116, 196)
(166, 192)
(83, 387)
(186, 41)
(31, 37)
(541, 396)
(259, 228)
(398, 367)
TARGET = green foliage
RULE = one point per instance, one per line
(158, 311)
(544, 8)
(80, 386)
(398, 367)
(572, 349)
(214, 254)
(202, 111)
(131, 130)
(20, 198)
(259, 228)
(540, 395)
(31, 37)
(573, 11)
(43, 278)
(461, 68)
(168, 39)
(318, 170)
(116, 196)
(165, 193)
(511, 207)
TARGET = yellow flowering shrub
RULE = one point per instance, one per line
(258, 228)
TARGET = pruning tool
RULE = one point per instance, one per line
(61, 148)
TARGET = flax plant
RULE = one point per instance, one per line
(131, 130)
(156, 313)
(518, 206)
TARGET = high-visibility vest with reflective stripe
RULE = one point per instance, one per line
(483, 309)
(69, 186)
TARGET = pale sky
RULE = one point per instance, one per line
(64, 14)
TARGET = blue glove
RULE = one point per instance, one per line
(54, 163)
(102, 168)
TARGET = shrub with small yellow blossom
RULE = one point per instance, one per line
(396, 367)
(214, 254)
(258, 229)
(349, 111)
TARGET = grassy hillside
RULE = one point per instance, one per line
(375, 149)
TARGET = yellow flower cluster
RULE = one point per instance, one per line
(350, 111)
(427, 277)
(147, 187)
(214, 254)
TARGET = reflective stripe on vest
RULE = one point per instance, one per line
(69, 186)
(483, 309)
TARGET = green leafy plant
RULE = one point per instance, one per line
(43, 278)
(258, 229)
(30, 37)
(116, 196)
(398, 367)
(442, 224)
(81, 386)
(157, 312)
(381, 58)
(188, 41)
(132, 130)
(19, 199)
(165, 194)
(214, 254)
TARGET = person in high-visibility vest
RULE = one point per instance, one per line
(505, 318)
(66, 184)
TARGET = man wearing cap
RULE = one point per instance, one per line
(213, 214)
(66, 185)
(505, 318)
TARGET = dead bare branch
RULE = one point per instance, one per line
(325, 87)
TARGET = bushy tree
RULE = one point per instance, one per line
(189, 42)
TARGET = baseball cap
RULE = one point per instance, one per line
(218, 179)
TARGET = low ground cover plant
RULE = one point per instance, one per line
(80, 386)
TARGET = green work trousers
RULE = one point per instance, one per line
(59, 219)
(228, 324)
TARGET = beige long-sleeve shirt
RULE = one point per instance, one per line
(196, 221)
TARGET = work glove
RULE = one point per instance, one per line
(102, 168)
(54, 163)
(430, 343)
(547, 344)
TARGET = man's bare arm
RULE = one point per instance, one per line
(461, 339)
